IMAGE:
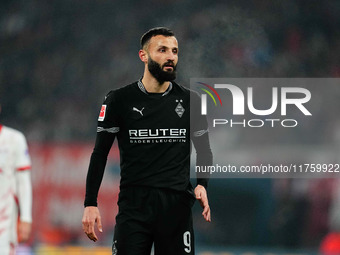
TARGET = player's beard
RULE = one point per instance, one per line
(157, 71)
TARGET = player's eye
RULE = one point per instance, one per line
(175, 51)
(161, 50)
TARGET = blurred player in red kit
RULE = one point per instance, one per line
(15, 190)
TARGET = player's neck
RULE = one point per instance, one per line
(152, 85)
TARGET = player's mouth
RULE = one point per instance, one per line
(168, 66)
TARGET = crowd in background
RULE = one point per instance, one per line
(60, 58)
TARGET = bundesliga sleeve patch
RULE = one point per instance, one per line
(102, 113)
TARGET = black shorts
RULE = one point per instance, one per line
(153, 216)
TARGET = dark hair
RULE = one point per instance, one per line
(153, 32)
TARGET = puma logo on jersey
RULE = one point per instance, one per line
(140, 111)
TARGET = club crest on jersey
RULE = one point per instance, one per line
(179, 108)
(102, 113)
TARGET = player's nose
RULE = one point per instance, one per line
(171, 56)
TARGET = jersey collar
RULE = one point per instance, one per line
(142, 88)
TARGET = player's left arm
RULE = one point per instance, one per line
(24, 189)
(204, 157)
(199, 134)
(202, 197)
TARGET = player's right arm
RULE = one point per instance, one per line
(90, 217)
(106, 132)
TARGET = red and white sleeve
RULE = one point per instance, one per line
(23, 179)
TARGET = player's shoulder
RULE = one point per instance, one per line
(180, 87)
(9, 131)
(187, 91)
(120, 93)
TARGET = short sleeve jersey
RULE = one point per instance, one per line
(153, 132)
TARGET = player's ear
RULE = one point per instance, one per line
(143, 55)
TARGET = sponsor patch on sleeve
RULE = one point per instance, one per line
(102, 113)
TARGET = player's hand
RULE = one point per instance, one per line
(24, 230)
(201, 196)
(90, 217)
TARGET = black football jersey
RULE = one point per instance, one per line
(154, 137)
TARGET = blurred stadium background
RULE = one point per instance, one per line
(60, 57)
